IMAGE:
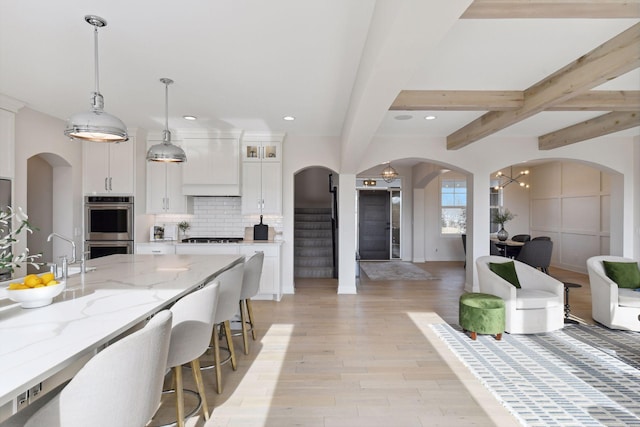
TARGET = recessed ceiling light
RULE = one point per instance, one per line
(190, 117)
(404, 117)
(289, 118)
(430, 117)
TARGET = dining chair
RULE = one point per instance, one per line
(120, 386)
(537, 253)
(190, 336)
(250, 288)
(494, 249)
(542, 238)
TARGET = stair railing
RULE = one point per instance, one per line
(334, 224)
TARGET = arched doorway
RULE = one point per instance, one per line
(49, 201)
(315, 224)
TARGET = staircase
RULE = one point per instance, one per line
(313, 252)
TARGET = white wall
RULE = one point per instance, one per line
(39, 134)
(571, 203)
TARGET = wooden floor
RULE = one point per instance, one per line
(369, 359)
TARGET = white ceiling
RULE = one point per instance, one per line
(244, 64)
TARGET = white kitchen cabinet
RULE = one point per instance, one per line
(270, 287)
(262, 175)
(212, 167)
(164, 188)
(154, 248)
(108, 168)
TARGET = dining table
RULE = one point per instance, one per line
(510, 248)
(41, 348)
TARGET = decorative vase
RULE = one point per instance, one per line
(502, 234)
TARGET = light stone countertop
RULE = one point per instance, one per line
(94, 308)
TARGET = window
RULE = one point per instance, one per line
(453, 205)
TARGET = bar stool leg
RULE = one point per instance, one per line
(243, 320)
(250, 313)
(177, 371)
(197, 376)
(227, 332)
(216, 358)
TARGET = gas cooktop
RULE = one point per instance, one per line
(212, 240)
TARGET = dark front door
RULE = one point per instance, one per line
(373, 224)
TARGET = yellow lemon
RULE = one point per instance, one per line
(32, 280)
(41, 285)
(30, 276)
(13, 286)
(47, 277)
(52, 282)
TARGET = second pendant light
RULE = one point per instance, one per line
(166, 151)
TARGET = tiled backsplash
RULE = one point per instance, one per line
(220, 217)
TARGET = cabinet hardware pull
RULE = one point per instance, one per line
(110, 181)
(105, 184)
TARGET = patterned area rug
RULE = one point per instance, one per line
(394, 270)
(580, 376)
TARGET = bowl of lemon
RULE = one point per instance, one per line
(35, 290)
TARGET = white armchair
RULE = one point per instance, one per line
(616, 308)
(538, 306)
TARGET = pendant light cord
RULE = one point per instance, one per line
(166, 106)
(95, 45)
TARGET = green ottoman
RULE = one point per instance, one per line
(482, 314)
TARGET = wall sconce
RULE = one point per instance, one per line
(369, 182)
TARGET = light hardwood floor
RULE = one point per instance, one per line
(369, 359)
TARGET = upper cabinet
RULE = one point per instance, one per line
(267, 150)
(108, 168)
(164, 187)
(213, 165)
(262, 174)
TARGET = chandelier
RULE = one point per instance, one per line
(389, 174)
(508, 179)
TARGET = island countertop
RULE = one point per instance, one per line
(95, 307)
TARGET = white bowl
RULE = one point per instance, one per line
(35, 297)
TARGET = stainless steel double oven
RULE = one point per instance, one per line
(108, 225)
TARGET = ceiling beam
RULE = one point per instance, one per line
(611, 59)
(584, 9)
(592, 128)
(601, 100)
(458, 100)
(482, 100)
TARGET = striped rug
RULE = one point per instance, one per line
(579, 376)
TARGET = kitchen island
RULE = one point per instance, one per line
(43, 347)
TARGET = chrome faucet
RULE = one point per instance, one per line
(64, 258)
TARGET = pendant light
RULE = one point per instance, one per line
(389, 174)
(96, 125)
(166, 151)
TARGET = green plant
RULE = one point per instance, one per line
(184, 226)
(8, 260)
(501, 216)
